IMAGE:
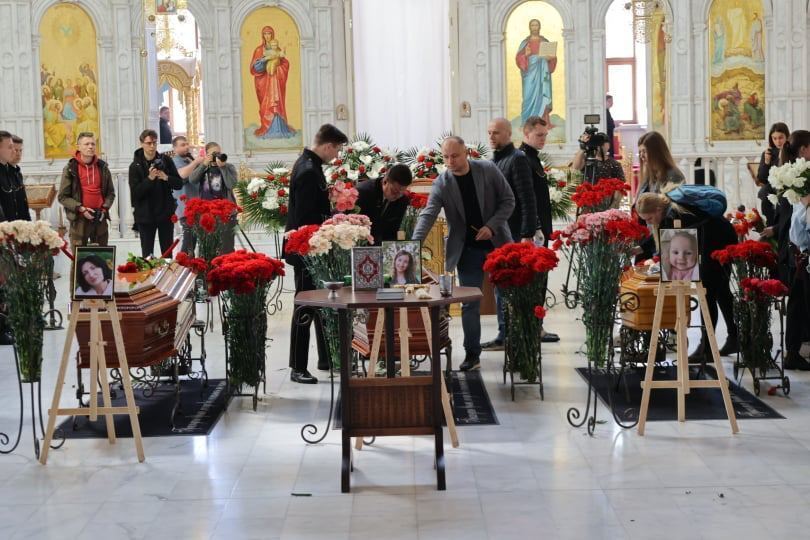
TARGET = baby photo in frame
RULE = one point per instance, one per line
(680, 255)
(94, 273)
(402, 262)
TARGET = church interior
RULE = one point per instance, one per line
(554, 254)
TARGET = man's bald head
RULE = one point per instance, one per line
(499, 132)
(454, 152)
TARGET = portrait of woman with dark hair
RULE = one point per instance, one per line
(93, 277)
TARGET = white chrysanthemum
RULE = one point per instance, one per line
(558, 175)
(555, 195)
(366, 159)
(360, 146)
(255, 185)
(281, 171)
(270, 201)
(353, 174)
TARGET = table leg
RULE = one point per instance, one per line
(437, 398)
(345, 361)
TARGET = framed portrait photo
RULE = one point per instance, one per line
(402, 262)
(680, 255)
(94, 273)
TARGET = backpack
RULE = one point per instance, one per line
(707, 199)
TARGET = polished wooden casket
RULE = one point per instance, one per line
(156, 315)
(644, 285)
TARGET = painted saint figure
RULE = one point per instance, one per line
(756, 39)
(535, 71)
(270, 69)
(719, 42)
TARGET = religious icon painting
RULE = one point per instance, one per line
(271, 81)
(367, 268)
(94, 272)
(680, 255)
(402, 262)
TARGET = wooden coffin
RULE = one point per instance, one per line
(644, 285)
(155, 317)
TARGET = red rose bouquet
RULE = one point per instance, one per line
(751, 264)
(520, 271)
(265, 200)
(602, 244)
(243, 279)
(604, 194)
(416, 201)
(211, 220)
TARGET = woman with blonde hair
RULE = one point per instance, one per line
(714, 232)
(657, 166)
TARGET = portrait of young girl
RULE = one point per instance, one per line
(680, 255)
(401, 262)
(93, 274)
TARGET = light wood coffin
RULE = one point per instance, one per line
(644, 285)
(155, 318)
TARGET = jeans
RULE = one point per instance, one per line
(471, 274)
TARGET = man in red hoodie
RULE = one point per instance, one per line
(87, 193)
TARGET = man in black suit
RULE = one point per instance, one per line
(535, 131)
(610, 125)
(383, 201)
(309, 205)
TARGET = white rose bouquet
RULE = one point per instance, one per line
(791, 181)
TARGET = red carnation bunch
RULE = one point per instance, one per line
(242, 272)
(217, 210)
(599, 196)
(762, 289)
(195, 264)
(416, 200)
(751, 252)
(518, 264)
(297, 241)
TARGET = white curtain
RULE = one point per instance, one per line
(401, 70)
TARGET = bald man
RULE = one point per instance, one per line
(514, 165)
(477, 202)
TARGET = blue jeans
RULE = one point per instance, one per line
(471, 274)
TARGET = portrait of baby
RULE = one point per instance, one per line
(680, 255)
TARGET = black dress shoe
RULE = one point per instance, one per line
(302, 377)
(470, 363)
(492, 345)
(549, 337)
(795, 361)
(6, 338)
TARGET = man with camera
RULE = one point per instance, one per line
(87, 193)
(214, 178)
(186, 164)
(152, 178)
(593, 158)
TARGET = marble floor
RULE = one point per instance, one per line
(532, 476)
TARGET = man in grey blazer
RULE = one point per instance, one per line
(477, 203)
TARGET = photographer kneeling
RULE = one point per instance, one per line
(595, 151)
(214, 178)
(87, 193)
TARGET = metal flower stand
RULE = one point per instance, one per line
(773, 368)
(35, 398)
(510, 356)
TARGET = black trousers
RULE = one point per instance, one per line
(165, 232)
(299, 330)
(797, 327)
(718, 293)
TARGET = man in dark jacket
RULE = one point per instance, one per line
(523, 222)
(152, 178)
(13, 201)
(383, 201)
(535, 131)
(87, 193)
(309, 205)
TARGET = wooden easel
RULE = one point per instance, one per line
(682, 291)
(98, 371)
(405, 364)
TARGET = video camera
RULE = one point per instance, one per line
(595, 138)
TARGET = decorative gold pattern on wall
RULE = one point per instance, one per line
(68, 79)
(659, 63)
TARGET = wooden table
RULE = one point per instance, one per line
(388, 406)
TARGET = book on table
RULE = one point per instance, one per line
(390, 294)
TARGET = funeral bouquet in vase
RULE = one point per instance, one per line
(755, 294)
(26, 249)
(326, 250)
(416, 201)
(791, 181)
(210, 220)
(243, 280)
(598, 197)
(265, 199)
(520, 271)
(562, 184)
(604, 242)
